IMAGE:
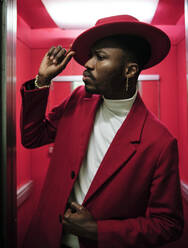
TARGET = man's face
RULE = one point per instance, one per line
(105, 70)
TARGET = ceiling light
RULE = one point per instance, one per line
(73, 14)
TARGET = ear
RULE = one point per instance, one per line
(131, 70)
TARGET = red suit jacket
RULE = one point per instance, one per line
(135, 196)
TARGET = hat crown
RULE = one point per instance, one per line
(125, 25)
(118, 18)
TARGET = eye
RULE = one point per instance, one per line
(100, 56)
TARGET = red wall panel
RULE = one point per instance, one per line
(168, 90)
(23, 60)
(23, 73)
(182, 110)
(150, 95)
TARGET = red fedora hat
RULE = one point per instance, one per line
(122, 24)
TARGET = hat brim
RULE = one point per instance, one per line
(158, 40)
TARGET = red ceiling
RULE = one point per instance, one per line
(35, 15)
(168, 12)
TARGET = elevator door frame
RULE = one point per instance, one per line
(8, 206)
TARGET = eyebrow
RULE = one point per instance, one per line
(99, 50)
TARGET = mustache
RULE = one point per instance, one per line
(87, 73)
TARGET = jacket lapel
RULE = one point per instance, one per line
(122, 148)
(85, 123)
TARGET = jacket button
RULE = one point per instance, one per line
(72, 174)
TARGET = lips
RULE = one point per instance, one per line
(87, 74)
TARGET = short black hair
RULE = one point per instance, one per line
(137, 48)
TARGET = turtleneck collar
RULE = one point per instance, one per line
(120, 107)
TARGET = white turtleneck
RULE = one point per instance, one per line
(108, 120)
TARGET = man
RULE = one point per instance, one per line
(113, 179)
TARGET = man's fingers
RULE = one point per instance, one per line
(49, 53)
(55, 52)
(59, 56)
(67, 213)
(56, 59)
(66, 60)
(77, 207)
(74, 208)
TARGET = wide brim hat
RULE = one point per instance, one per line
(127, 25)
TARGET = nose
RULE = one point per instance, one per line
(90, 63)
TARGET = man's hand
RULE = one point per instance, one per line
(54, 61)
(78, 221)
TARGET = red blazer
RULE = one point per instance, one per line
(135, 196)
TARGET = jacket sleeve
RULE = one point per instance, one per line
(163, 221)
(37, 129)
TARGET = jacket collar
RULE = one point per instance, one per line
(126, 139)
(136, 115)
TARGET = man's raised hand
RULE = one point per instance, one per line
(54, 61)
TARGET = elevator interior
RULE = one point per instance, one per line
(162, 87)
